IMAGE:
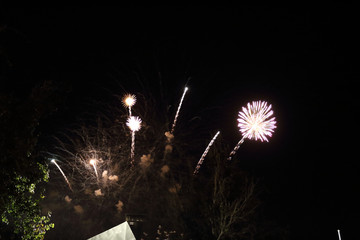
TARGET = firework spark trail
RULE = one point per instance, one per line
(67, 181)
(254, 123)
(132, 154)
(178, 110)
(93, 163)
(236, 148)
(134, 123)
(339, 234)
(205, 153)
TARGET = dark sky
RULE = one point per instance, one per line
(304, 61)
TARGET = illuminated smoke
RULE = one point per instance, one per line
(68, 199)
(175, 188)
(146, 160)
(113, 178)
(164, 169)
(98, 193)
(104, 175)
(169, 136)
(78, 209)
(168, 148)
(119, 206)
(88, 191)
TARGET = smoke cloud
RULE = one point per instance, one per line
(119, 206)
(113, 178)
(68, 199)
(98, 193)
(146, 160)
(78, 209)
(165, 169)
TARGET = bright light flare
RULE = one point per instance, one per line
(254, 122)
(134, 123)
(178, 110)
(67, 181)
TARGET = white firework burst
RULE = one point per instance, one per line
(254, 122)
(129, 100)
(134, 123)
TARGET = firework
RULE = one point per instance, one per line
(205, 153)
(134, 123)
(93, 163)
(129, 100)
(67, 181)
(254, 123)
(178, 110)
(339, 234)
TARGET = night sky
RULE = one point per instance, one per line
(304, 61)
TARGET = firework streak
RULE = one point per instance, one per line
(134, 123)
(178, 110)
(132, 154)
(93, 162)
(339, 234)
(67, 181)
(236, 148)
(205, 153)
